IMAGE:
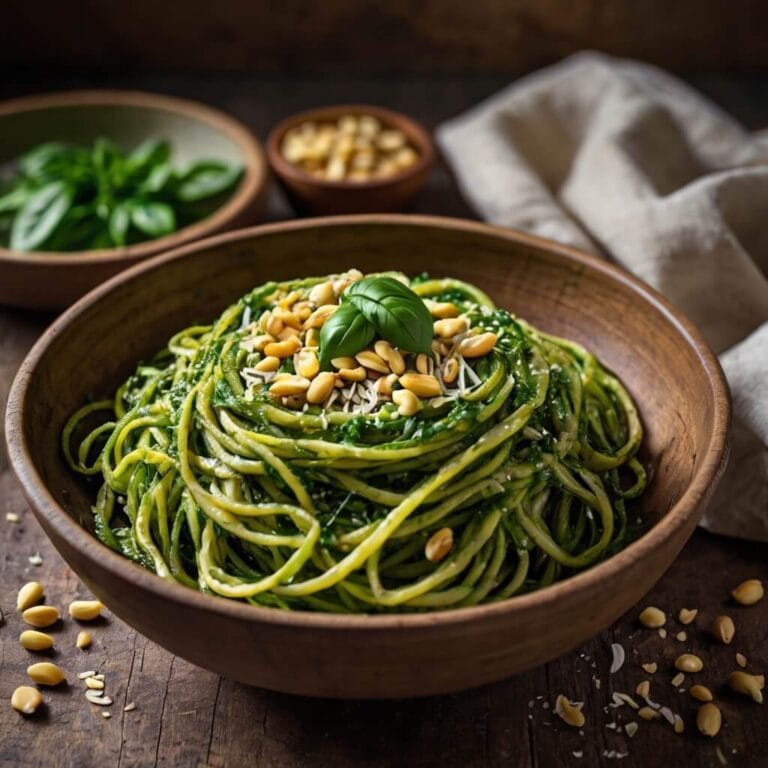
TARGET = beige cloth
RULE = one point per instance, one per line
(622, 160)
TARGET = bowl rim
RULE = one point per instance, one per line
(415, 132)
(678, 517)
(252, 185)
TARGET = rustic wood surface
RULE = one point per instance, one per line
(187, 717)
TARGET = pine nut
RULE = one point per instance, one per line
(343, 362)
(441, 309)
(450, 370)
(96, 697)
(748, 592)
(273, 324)
(651, 667)
(569, 713)
(700, 693)
(288, 318)
(709, 719)
(723, 629)
(84, 640)
(686, 616)
(259, 342)
(322, 293)
(422, 364)
(307, 364)
(678, 679)
(353, 374)
(643, 689)
(30, 594)
(741, 660)
(33, 640)
(319, 316)
(282, 349)
(421, 384)
(477, 346)
(85, 610)
(45, 673)
(688, 662)
(312, 338)
(647, 713)
(679, 725)
(93, 684)
(438, 545)
(749, 685)
(384, 385)
(268, 364)
(396, 362)
(290, 385)
(652, 617)
(41, 616)
(26, 699)
(407, 403)
(288, 333)
(302, 310)
(450, 327)
(321, 387)
(372, 361)
(288, 301)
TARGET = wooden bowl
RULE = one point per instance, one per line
(312, 195)
(675, 379)
(46, 280)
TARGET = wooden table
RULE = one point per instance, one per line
(186, 716)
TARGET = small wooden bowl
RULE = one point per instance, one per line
(312, 195)
(46, 280)
(673, 376)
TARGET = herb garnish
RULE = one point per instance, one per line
(375, 306)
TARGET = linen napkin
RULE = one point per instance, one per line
(622, 160)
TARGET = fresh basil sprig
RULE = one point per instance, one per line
(376, 306)
(70, 198)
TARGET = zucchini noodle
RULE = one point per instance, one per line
(516, 475)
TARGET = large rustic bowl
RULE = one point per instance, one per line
(46, 280)
(673, 376)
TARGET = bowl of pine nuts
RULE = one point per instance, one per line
(350, 158)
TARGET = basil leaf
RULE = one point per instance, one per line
(344, 333)
(396, 312)
(40, 216)
(15, 199)
(119, 222)
(206, 179)
(147, 155)
(156, 179)
(153, 219)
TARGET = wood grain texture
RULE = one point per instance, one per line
(228, 724)
(365, 36)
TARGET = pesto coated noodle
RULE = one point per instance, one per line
(242, 463)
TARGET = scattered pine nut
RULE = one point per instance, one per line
(681, 636)
(631, 728)
(98, 677)
(89, 673)
(569, 712)
(741, 660)
(723, 629)
(33, 640)
(647, 713)
(679, 725)
(26, 699)
(30, 594)
(85, 610)
(94, 684)
(678, 679)
(709, 719)
(96, 697)
(84, 640)
(749, 685)
(650, 667)
(700, 693)
(662, 633)
(106, 715)
(748, 592)
(689, 662)
(439, 545)
(129, 707)
(643, 689)
(46, 673)
(41, 616)
(687, 615)
(12, 517)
